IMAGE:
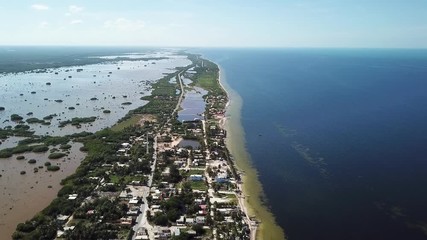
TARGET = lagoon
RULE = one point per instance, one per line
(81, 91)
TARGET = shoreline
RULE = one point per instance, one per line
(252, 191)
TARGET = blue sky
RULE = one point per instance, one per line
(216, 23)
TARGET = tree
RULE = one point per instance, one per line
(161, 219)
(199, 229)
(174, 176)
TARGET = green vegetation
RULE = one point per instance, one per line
(50, 117)
(207, 76)
(199, 185)
(101, 147)
(132, 121)
(56, 155)
(40, 148)
(84, 149)
(8, 152)
(32, 161)
(22, 148)
(77, 121)
(53, 168)
(34, 120)
(19, 132)
(15, 117)
(65, 146)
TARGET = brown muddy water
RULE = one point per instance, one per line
(22, 196)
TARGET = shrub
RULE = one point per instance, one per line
(16, 117)
(84, 149)
(34, 120)
(56, 155)
(22, 149)
(65, 146)
(32, 161)
(6, 153)
(40, 148)
(53, 168)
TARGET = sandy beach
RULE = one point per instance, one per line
(252, 193)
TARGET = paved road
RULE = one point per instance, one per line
(153, 167)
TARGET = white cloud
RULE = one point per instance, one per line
(76, 21)
(39, 7)
(74, 9)
(43, 24)
(124, 24)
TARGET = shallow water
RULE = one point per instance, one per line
(193, 104)
(189, 143)
(22, 196)
(10, 142)
(107, 83)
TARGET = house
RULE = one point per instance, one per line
(134, 201)
(189, 221)
(176, 232)
(222, 177)
(126, 145)
(181, 220)
(72, 196)
(141, 234)
(62, 218)
(126, 221)
(200, 220)
(166, 172)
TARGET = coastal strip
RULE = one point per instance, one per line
(159, 178)
(252, 188)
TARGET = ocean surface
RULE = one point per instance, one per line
(338, 136)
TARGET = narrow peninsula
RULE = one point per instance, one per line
(162, 172)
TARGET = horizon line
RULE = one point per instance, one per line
(217, 47)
